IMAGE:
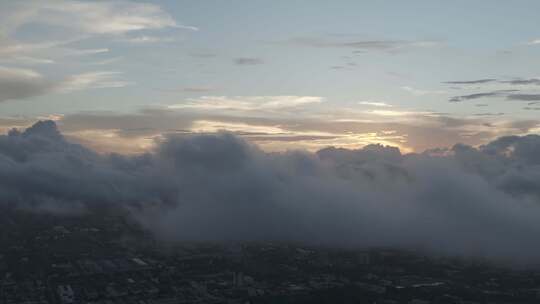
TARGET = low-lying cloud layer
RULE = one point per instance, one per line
(470, 201)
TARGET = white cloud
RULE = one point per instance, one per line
(73, 21)
(210, 126)
(144, 39)
(18, 74)
(9, 48)
(92, 80)
(84, 52)
(27, 60)
(397, 113)
(534, 42)
(418, 92)
(375, 104)
(104, 17)
(248, 103)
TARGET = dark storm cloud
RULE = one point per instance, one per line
(477, 81)
(471, 201)
(248, 61)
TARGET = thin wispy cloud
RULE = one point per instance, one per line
(248, 103)
(27, 60)
(530, 81)
(421, 92)
(476, 81)
(104, 17)
(248, 61)
(375, 104)
(363, 45)
(198, 89)
(147, 39)
(93, 80)
(524, 97)
(397, 113)
(71, 24)
(474, 96)
(17, 83)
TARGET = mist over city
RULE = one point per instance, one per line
(269, 152)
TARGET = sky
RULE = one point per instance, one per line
(118, 76)
(408, 124)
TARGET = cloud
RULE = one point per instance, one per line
(84, 52)
(515, 81)
(362, 45)
(248, 103)
(104, 17)
(477, 81)
(469, 201)
(524, 97)
(16, 83)
(248, 61)
(147, 39)
(533, 81)
(349, 127)
(375, 104)
(75, 21)
(534, 42)
(489, 114)
(13, 48)
(398, 113)
(92, 80)
(418, 92)
(69, 29)
(497, 93)
(28, 60)
(474, 96)
(198, 89)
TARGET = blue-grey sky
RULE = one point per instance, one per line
(117, 75)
